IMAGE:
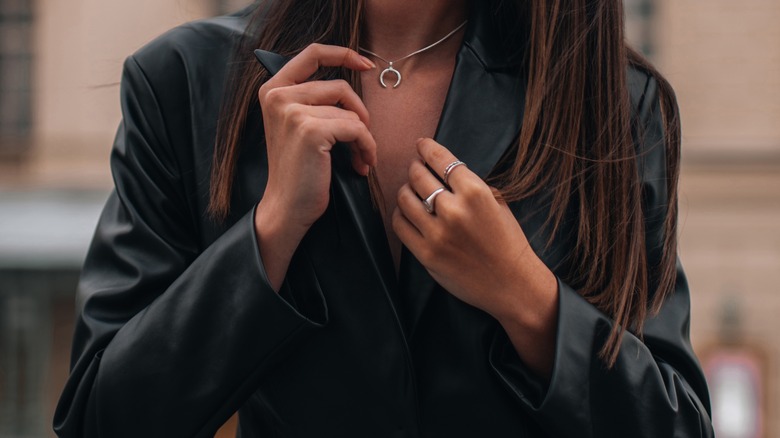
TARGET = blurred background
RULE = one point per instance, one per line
(60, 64)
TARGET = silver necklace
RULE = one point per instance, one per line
(391, 69)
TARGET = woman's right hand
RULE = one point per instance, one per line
(303, 120)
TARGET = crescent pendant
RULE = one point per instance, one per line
(390, 69)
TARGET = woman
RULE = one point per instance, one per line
(338, 272)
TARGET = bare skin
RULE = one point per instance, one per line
(300, 118)
(402, 115)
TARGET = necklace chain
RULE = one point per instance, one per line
(390, 68)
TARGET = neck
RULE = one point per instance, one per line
(395, 28)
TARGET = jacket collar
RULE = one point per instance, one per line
(484, 37)
(484, 105)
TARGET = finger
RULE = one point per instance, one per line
(357, 160)
(332, 93)
(326, 125)
(413, 209)
(357, 135)
(321, 112)
(438, 158)
(306, 63)
(330, 113)
(422, 181)
(407, 233)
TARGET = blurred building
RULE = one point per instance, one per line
(724, 60)
(60, 64)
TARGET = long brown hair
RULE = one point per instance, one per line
(576, 137)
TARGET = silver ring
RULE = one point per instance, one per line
(429, 201)
(448, 169)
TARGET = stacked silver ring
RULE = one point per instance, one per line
(449, 168)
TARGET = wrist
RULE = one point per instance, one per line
(530, 321)
(277, 240)
(274, 219)
(533, 305)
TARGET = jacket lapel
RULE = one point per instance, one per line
(480, 120)
(355, 212)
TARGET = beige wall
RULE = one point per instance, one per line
(79, 50)
(723, 57)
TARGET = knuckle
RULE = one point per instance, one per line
(437, 238)
(342, 85)
(354, 128)
(415, 172)
(446, 210)
(396, 220)
(345, 55)
(313, 49)
(438, 154)
(453, 214)
(357, 125)
(457, 216)
(342, 90)
(308, 127)
(472, 189)
(426, 254)
(295, 114)
(400, 197)
(262, 92)
(273, 97)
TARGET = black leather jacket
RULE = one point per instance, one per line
(178, 326)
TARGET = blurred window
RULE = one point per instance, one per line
(15, 74)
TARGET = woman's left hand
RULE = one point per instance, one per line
(472, 245)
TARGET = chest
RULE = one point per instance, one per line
(399, 116)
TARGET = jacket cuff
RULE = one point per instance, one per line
(576, 352)
(307, 302)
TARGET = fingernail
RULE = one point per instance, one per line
(368, 62)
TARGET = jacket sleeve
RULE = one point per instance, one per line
(656, 388)
(170, 338)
